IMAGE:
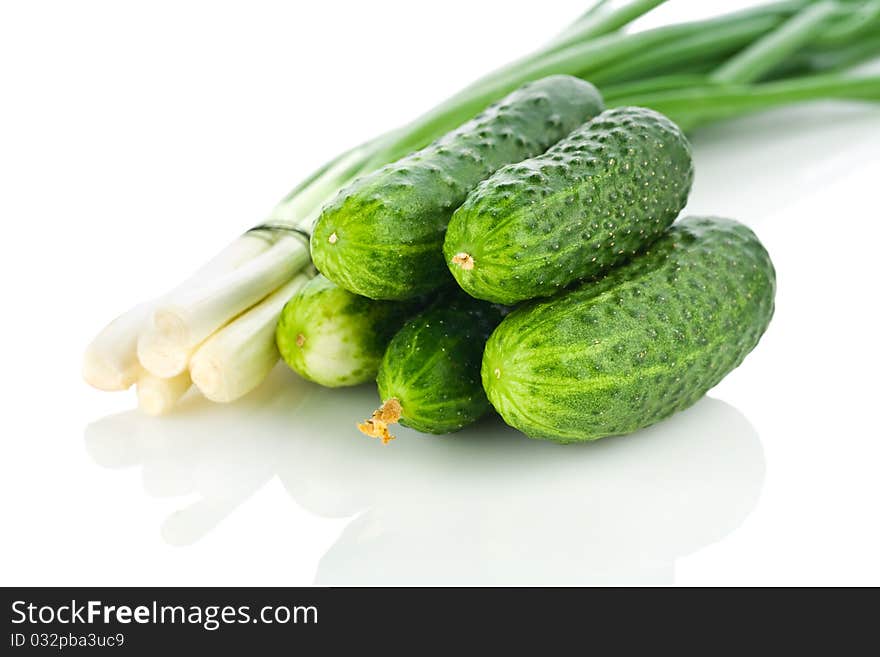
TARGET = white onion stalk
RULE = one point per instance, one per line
(111, 362)
(184, 320)
(157, 396)
(237, 358)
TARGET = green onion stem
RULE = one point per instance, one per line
(598, 6)
(599, 21)
(303, 202)
(863, 19)
(694, 47)
(611, 59)
(696, 106)
(846, 57)
(767, 52)
(672, 82)
(574, 53)
(581, 59)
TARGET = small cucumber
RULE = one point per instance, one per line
(333, 337)
(429, 378)
(382, 236)
(645, 341)
(590, 202)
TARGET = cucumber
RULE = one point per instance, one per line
(382, 236)
(645, 341)
(333, 337)
(589, 203)
(429, 378)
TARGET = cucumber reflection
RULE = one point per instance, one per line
(480, 507)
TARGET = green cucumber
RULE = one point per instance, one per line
(589, 203)
(429, 378)
(333, 337)
(382, 236)
(647, 340)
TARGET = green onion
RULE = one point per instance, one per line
(765, 53)
(697, 106)
(111, 360)
(233, 361)
(187, 318)
(157, 396)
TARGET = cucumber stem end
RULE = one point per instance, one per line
(377, 425)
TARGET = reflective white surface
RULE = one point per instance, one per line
(122, 165)
(483, 506)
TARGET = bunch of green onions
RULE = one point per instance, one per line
(216, 329)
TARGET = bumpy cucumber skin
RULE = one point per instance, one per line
(335, 338)
(432, 365)
(647, 340)
(589, 203)
(382, 236)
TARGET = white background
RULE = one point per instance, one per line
(137, 138)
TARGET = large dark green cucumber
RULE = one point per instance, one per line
(382, 236)
(590, 202)
(647, 340)
(330, 336)
(429, 378)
